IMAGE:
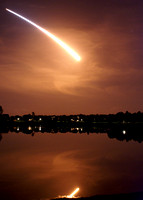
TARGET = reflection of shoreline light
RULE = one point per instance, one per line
(53, 37)
(124, 132)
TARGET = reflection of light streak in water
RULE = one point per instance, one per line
(61, 43)
(72, 194)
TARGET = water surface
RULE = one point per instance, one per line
(47, 165)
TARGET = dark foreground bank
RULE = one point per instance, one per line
(130, 196)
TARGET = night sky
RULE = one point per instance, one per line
(37, 75)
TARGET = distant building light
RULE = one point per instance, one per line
(29, 128)
(124, 132)
(18, 118)
(77, 120)
(29, 120)
(40, 119)
(17, 128)
(77, 129)
(72, 120)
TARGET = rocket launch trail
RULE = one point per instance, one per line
(68, 49)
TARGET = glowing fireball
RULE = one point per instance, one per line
(53, 37)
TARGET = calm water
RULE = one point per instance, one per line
(47, 165)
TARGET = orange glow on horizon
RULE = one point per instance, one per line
(68, 49)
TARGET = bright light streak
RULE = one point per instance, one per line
(72, 194)
(57, 40)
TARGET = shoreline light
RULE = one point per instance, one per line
(68, 49)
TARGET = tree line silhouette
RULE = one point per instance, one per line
(122, 126)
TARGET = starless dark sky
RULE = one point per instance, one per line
(37, 75)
